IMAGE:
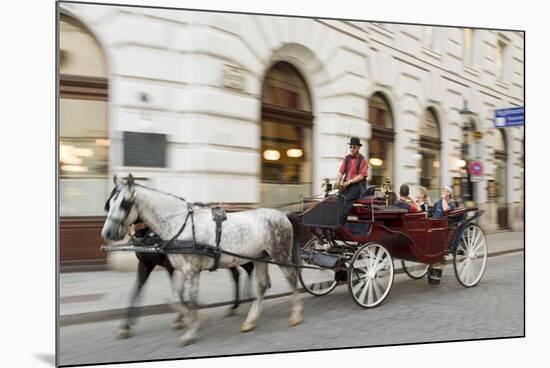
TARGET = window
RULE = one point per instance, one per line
(286, 136)
(468, 46)
(501, 61)
(83, 141)
(430, 151)
(381, 144)
(501, 158)
(429, 37)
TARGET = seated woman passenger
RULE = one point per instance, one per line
(446, 203)
(423, 199)
(405, 201)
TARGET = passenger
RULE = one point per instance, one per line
(423, 199)
(446, 203)
(405, 200)
(354, 171)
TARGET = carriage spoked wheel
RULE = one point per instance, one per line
(415, 270)
(319, 281)
(370, 275)
(470, 256)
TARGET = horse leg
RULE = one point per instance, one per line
(192, 276)
(291, 275)
(179, 305)
(235, 274)
(262, 284)
(144, 270)
(248, 267)
(178, 322)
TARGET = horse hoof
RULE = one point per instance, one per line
(294, 322)
(123, 333)
(246, 327)
(230, 312)
(178, 325)
(187, 340)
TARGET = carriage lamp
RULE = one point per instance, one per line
(387, 190)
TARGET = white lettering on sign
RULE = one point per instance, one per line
(500, 122)
(233, 77)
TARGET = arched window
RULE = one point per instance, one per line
(286, 136)
(83, 142)
(381, 142)
(501, 158)
(430, 151)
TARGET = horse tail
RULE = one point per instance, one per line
(296, 259)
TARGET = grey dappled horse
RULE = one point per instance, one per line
(146, 263)
(255, 233)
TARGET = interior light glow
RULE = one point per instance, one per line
(74, 168)
(294, 152)
(376, 161)
(271, 155)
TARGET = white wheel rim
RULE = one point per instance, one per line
(319, 281)
(371, 275)
(414, 269)
(471, 256)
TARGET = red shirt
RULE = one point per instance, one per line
(352, 168)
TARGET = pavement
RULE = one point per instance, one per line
(86, 297)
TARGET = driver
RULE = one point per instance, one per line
(353, 171)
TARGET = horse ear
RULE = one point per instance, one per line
(130, 180)
(115, 180)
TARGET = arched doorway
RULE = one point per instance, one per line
(286, 136)
(430, 150)
(501, 158)
(83, 143)
(381, 142)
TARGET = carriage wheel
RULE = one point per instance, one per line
(319, 281)
(470, 256)
(370, 275)
(415, 270)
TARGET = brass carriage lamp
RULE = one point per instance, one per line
(327, 186)
(387, 189)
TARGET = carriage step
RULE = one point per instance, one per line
(320, 259)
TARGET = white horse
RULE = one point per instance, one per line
(256, 233)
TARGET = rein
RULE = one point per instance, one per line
(162, 246)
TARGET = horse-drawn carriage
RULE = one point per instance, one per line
(361, 252)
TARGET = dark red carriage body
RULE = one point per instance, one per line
(410, 236)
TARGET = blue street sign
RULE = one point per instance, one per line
(509, 117)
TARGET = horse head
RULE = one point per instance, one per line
(121, 209)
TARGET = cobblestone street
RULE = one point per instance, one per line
(413, 312)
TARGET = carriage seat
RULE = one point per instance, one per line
(390, 209)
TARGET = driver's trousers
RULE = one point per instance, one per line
(351, 194)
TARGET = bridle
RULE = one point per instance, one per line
(126, 205)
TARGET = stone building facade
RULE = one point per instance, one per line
(256, 110)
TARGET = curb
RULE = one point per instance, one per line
(149, 310)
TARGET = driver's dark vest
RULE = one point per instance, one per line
(359, 159)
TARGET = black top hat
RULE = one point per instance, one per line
(354, 141)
